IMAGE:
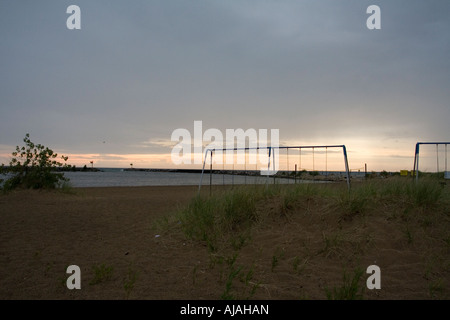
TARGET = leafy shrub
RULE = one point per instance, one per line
(33, 166)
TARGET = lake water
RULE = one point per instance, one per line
(119, 178)
(125, 178)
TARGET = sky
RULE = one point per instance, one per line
(114, 91)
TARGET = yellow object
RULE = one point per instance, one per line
(403, 172)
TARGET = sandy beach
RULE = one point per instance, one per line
(110, 234)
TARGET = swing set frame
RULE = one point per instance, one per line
(271, 155)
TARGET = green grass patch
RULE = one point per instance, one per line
(102, 273)
(351, 288)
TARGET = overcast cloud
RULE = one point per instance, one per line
(137, 70)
